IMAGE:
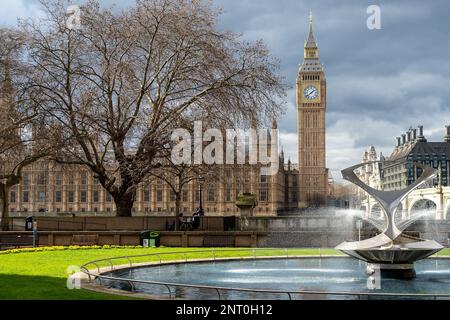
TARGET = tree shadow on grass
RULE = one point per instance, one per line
(21, 287)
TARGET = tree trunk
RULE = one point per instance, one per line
(177, 210)
(4, 207)
(124, 205)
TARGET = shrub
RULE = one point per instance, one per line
(61, 248)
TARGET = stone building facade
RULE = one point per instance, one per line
(401, 170)
(48, 187)
(413, 147)
(370, 174)
(311, 109)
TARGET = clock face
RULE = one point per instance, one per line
(311, 93)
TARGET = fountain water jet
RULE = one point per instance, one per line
(391, 251)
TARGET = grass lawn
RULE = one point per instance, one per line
(42, 275)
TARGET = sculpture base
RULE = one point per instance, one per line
(246, 212)
(400, 252)
(395, 271)
(395, 261)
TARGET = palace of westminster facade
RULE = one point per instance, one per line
(54, 188)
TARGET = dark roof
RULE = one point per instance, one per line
(421, 148)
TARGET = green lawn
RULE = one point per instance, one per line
(42, 275)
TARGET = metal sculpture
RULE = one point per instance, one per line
(391, 251)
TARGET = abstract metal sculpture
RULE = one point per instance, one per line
(391, 251)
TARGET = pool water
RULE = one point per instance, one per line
(310, 274)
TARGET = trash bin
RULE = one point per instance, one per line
(145, 238)
(29, 223)
(155, 241)
(150, 239)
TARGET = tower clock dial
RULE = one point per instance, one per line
(311, 93)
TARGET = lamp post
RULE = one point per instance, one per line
(201, 180)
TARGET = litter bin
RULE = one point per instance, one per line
(155, 241)
(29, 223)
(145, 238)
(150, 239)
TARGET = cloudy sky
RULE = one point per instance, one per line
(380, 82)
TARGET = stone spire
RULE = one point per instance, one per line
(8, 111)
(311, 42)
(6, 91)
(6, 83)
(311, 61)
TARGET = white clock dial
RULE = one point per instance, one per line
(311, 93)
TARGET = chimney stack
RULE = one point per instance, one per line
(409, 135)
(421, 136)
(403, 139)
(447, 137)
(399, 142)
(414, 134)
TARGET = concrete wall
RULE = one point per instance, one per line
(302, 239)
(196, 239)
(168, 239)
(305, 231)
(262, 224)
(120, 223)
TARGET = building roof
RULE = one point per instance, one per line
(440, 148)
(421, 148)
(311, 41)
(311, 64)
(401, 152)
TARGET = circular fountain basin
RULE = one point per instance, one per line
(316, 278)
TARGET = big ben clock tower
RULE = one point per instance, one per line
(311, 107)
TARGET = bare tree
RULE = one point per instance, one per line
(24, 137)
(120, 85)
(179, 176)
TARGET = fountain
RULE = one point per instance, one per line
(392, 251)
(286, 274)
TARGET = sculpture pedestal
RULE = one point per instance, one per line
(246, 212)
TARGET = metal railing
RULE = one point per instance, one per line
(102, 276)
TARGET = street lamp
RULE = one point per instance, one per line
(201, 180)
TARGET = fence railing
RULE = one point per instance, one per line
(105, 267)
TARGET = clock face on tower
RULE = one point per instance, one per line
(311, 93)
